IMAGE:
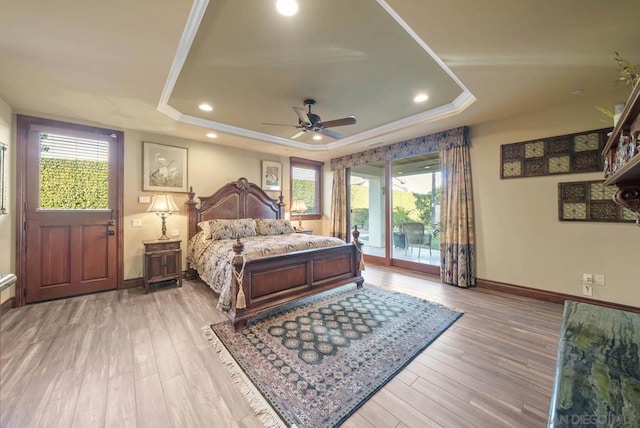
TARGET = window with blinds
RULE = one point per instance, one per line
(306, 186)
(74, 172)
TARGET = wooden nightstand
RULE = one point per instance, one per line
(162, 262)
(305, 231)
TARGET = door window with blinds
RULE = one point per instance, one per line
(306, 187)
(74, 172)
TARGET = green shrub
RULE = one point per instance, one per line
(423, 206)
(401, 215)
(305, 190)
(73, 184)
(360, 217)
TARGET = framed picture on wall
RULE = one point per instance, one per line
(164, 168)
(271, 175)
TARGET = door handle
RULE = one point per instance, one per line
(110, 232)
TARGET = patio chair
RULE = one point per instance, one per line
(415, 236)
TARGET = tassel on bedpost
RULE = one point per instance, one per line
(239, 259)
(241, 301)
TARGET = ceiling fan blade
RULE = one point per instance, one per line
(329, 133)
(302, 115)
(278, 124)
(339, 122)
(298, 134)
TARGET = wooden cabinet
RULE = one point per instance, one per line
(624, 143)
(162, 262)
(305, 231)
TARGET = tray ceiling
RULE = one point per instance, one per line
(355, 58)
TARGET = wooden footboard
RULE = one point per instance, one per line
(273, 281)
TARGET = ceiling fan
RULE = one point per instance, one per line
(308, 121)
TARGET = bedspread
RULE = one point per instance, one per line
(212, 258)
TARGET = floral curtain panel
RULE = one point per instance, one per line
(457, 236)
(339, 205)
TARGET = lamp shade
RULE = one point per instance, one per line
(298, 206)
(163, 204)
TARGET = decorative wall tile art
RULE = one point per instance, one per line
(590, 201)
(565, 154)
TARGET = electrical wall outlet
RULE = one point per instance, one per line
(587, 289)
(587, 278)
(143, 199)
(136, 222)
(175, 233)
(599, 279)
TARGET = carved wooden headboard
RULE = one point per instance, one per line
(238, 199)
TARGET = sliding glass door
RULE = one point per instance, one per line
(407, 234)
(416, 184)
(368, 207)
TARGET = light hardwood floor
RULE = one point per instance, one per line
(127, 359)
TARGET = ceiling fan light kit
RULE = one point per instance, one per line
(308, 121)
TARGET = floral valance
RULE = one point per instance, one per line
(414, 147)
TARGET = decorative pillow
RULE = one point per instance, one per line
(232, 228)
(206, 230)
(273, 226)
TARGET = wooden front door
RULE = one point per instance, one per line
(72, 208)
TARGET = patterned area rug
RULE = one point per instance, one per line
(317, 360)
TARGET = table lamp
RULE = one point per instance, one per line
(299, 207)
(163, 206)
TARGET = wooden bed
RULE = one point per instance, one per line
(274, 280)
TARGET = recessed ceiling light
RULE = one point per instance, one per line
(287, 7)
(212, 135)
(205, 107)
(576, 92)
(317, 137)
(420, 98)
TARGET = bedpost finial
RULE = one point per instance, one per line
(355, 233)
(238, 247)
(191, 194)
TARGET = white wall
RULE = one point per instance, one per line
(7, 222)
(209, 168)
(520, 239)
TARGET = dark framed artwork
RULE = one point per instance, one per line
(164, 168)
(590, 201)
(565, 154)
